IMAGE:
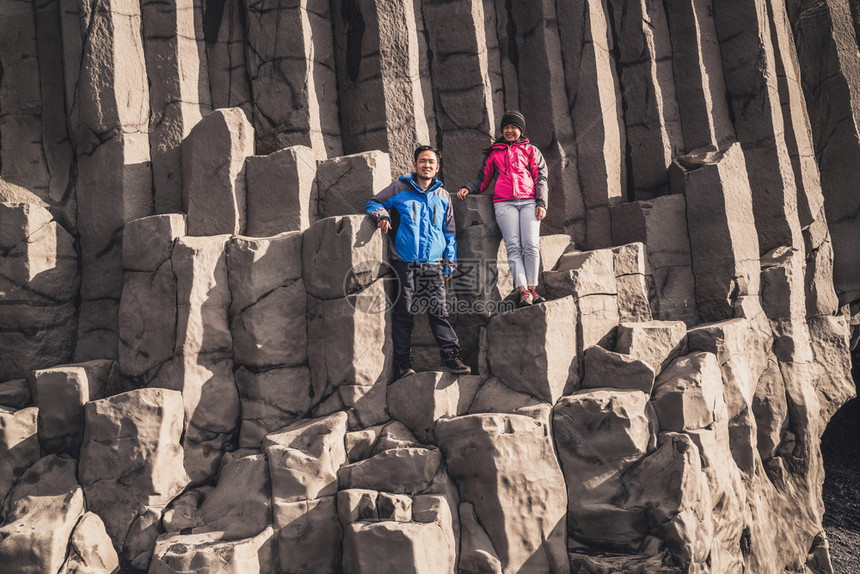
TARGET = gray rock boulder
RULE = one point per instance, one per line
(506, 467)
(40, 513)
(213, 176)
(281, 191)
(533, 350)
(129, 482)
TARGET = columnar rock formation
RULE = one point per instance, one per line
(195, 346)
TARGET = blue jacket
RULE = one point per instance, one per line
(422, 221)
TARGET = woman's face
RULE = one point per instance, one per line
(511, 133)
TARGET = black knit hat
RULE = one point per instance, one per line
(515, 118)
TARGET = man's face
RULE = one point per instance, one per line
(427, 165)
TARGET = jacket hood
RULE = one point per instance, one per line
(505, 144)
(409, 178)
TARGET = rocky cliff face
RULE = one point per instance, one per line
(195, 363)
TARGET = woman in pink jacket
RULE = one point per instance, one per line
(519, 200)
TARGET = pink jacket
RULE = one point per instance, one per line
(521, 173)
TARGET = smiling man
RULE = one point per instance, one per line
(415, 212)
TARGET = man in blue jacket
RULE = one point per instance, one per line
(415, 212)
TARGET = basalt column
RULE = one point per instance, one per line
(291, 68)
(595, 104)
(463, 90)
(110, 119)
(179, 93)
(34, 149)
(830, 76)
(378, 68)
(548, 121)
(650, 106)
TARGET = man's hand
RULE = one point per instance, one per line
(462, 192)
(540, 212)
(384, 225)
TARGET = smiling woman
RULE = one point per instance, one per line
(519, 200)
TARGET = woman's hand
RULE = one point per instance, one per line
(540, 212)
(462, 193)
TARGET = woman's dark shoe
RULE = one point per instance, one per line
(536, 298)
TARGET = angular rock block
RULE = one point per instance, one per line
(202, 365)
(670, 485)
(61, 393)
(631, 282)
(830, 344)
(782, 280)
(496, 397)
(147, 329)
(483, 273)
(742, 349)
(723, 238)
(533, 350)
(309, 535)
(420, 400)
(240, 505)
(590, 278)
(271, 400)
(15, 394)
(19, 444)
(291, 68)
(396, 507)
(357, 504)
(506, 467)
(40, 514)
(147, 310)
(552, 248)
(661, 224)
(341, 255)
(213, 177)
(607, 369)
(129, 482)
(605, 429)
(654, 342)
(688, 394)
(304, 459)
(39, 280)
(148, 242)
(346, 183)
(476, 549)
(348, 353)
(600, 433)
(269, 302)
(303, 464)
(406, 470)
(207, 552)
(397, 547)
(90, 548)
(281, 191)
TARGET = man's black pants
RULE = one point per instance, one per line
(421, 288)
